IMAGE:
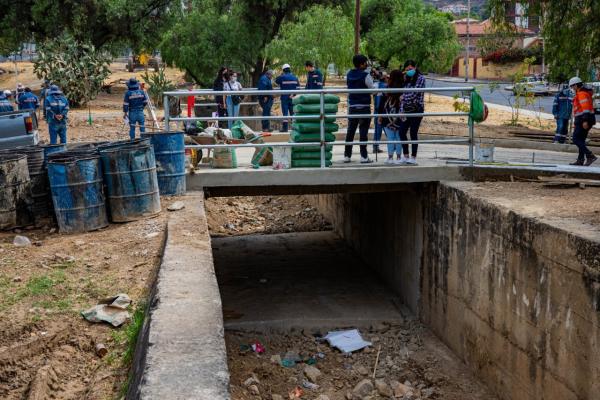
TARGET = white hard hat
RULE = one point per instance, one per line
(574, 81)
(7, 93)
(286, 66)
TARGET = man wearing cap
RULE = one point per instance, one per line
(19, 93)
(583, 112)
(57, 108)
(134, 102)
(5, 104)
(287, 81)
(314, 77)
(28, 101)
(266, 100)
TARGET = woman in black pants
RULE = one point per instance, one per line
(218, 85)
(412, 102)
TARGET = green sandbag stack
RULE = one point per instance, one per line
(309, 130)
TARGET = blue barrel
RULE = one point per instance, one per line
(131, 181)
(52, 148)
(77, 194)
(169, 150)
(15, 191)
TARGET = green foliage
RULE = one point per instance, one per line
(321, 34)
(570, 32)
(107, 24)
(157, 84)
(76, 67)
(408, 29)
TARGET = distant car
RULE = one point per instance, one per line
(596, 87)
(532, 84)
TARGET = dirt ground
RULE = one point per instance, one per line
(229, 216)
(406, 361)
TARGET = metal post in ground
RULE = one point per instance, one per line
(471, 140)
(166, 107)
(322, 126)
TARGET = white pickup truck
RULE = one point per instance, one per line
(18, 128)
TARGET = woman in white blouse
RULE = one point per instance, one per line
(233, 102)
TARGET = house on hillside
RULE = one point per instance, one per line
(499, 64)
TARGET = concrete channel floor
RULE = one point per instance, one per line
(298, 280)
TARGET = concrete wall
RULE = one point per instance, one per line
(516, 299)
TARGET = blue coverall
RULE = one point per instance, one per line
(134, 103)
(265, 101)
(314, 80)
(57, 105)
(562, 109)
(28, 101)
(5, 104)
(287, 81)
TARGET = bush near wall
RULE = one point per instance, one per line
(513, 55)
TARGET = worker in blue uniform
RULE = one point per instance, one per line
(5, 104)
(562, 109)
(134, 102)
(266, 100)
(28, 100)
(314, 77)
(57, 109)
(287, 81)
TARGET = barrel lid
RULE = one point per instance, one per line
(11, 156)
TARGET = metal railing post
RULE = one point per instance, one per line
(166, 111)
(322, 126)
(471, 140)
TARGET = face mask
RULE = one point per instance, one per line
(411, 72)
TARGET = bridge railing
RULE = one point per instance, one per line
(469, 138)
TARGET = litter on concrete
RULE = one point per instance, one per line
(112, 310)
(346, 341)
(178, 205)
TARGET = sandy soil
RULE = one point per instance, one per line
(262, 215)
(411, 365)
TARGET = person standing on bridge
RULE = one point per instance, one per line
(134, 102)
(412, 103)
(562, 109)
(287, 81)
(389, 103)
(359, 103)
(266, 101)
(585, 119)
(314, 77)
(219, 85)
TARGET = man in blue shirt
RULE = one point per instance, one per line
(134, 102)
(287, 81)
(57, 108)
(266, 101)
(28, 100)
(5, 104)
(359, 103)
(314, 77)
(562, 109)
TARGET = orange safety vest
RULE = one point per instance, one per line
(583, 103)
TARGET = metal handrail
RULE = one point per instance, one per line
(321, 116)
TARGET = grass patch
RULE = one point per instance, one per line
(50, 291)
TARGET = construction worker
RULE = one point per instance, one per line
(583, 112)
(314, 77)
(5, 104)
(28, 100)
(19, 92)
(57, 108)
(359, 103)
(266, 101)
(44, 94)
(134, 102)
(287, 81)
(562, 109)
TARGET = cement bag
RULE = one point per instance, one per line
(309, 163)
(224, 158)
(297, 137)
(310, 155)
(312, 127)
(328, 147)
(315, 108)
(282, 157)
(317, 120)
(315, 99)
(262, 156)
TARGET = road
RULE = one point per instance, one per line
(498, 96)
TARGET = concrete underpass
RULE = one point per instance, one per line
(444, 279)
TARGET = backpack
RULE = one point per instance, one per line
(478, 111)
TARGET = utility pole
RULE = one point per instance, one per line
(468, 60)
(357, 27)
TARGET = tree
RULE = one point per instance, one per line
(314, 37)
(76, 67)
(410, 30)
(570, 32)
(106, 24)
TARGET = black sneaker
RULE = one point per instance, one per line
(590, 160)
(578, 162)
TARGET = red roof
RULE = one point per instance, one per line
(477, 28)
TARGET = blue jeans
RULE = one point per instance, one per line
(287, 108)
(562, 128)
(57, 130)
(393, 134)
(266, 104)
(136, 116)
(579, 138)
(233, 110)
